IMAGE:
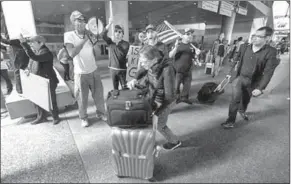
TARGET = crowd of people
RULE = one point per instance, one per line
(161, 69)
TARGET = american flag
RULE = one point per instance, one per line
(165, 34)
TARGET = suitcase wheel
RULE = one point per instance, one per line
(120, 176)
(152, 179)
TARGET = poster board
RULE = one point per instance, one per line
(36, 89)
(132, 60)
(23, 23)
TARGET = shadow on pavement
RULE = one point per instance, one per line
(207, 148)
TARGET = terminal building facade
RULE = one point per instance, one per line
(208, 18)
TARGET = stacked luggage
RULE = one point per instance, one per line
(133, 133)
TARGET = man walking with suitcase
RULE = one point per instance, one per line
(254, 70)
(161, 75)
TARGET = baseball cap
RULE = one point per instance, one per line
(189, 30)
(150, 26)
(119, 27)
(37, 38)
(75, 15)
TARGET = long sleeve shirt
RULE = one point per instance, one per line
(258, 66)
(44, 57)
(117, 52)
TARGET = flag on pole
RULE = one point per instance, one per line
(166, 34)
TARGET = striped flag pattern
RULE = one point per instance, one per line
(165, 34)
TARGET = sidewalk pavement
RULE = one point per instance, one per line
(254, 151)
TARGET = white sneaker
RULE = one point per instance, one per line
(102, 117)
(85, 123)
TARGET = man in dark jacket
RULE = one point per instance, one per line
(20, 62)
(118, 51)
(44, 62)
(183, 55)
(253, 72)
(161, 75)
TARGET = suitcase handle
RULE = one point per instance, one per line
(222, 85)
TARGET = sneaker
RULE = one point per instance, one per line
(243, 115)
(85, 123)
(227, 125)
(172, 146)
(186, 100)
(56, 121)
(103, 117)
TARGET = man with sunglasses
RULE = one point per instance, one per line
(254, 70)
(86, 75)
(117, 59)
(183, 54)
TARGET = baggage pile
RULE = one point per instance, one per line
(133, 133)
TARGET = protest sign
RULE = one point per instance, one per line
(132, 60)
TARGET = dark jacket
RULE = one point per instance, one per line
(44, 58)
(160, 79)
(21, 59)
(117, 52)
(266, 65)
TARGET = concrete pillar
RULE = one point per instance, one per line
(227, 26)
(270, 20)
(150, 18)
(67, 23)
(120, 16)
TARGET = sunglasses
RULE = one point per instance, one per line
(188, 34)
(80, 20)
(259, 36)
(118, 31)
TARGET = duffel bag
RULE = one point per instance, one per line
(128, 109)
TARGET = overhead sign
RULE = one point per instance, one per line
(19, 18)
(226, 8)
(132, 60)
(209, 5)
(281, 23)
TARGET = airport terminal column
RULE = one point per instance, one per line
(227, 26)
(120, 16)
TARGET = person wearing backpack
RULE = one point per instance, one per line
(66, 61)
(161, 75)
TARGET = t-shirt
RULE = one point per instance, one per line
(183, 58)
(84, 62)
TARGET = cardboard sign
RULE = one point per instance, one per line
(132, 60)
(36, 89)
(19, 18)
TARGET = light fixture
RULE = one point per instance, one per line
(130, 3)
(62, 5)
(168, 16)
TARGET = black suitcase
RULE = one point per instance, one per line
(209, 93)
(128, 109)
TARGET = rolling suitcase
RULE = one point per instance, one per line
(134, 152)
(209, 91)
